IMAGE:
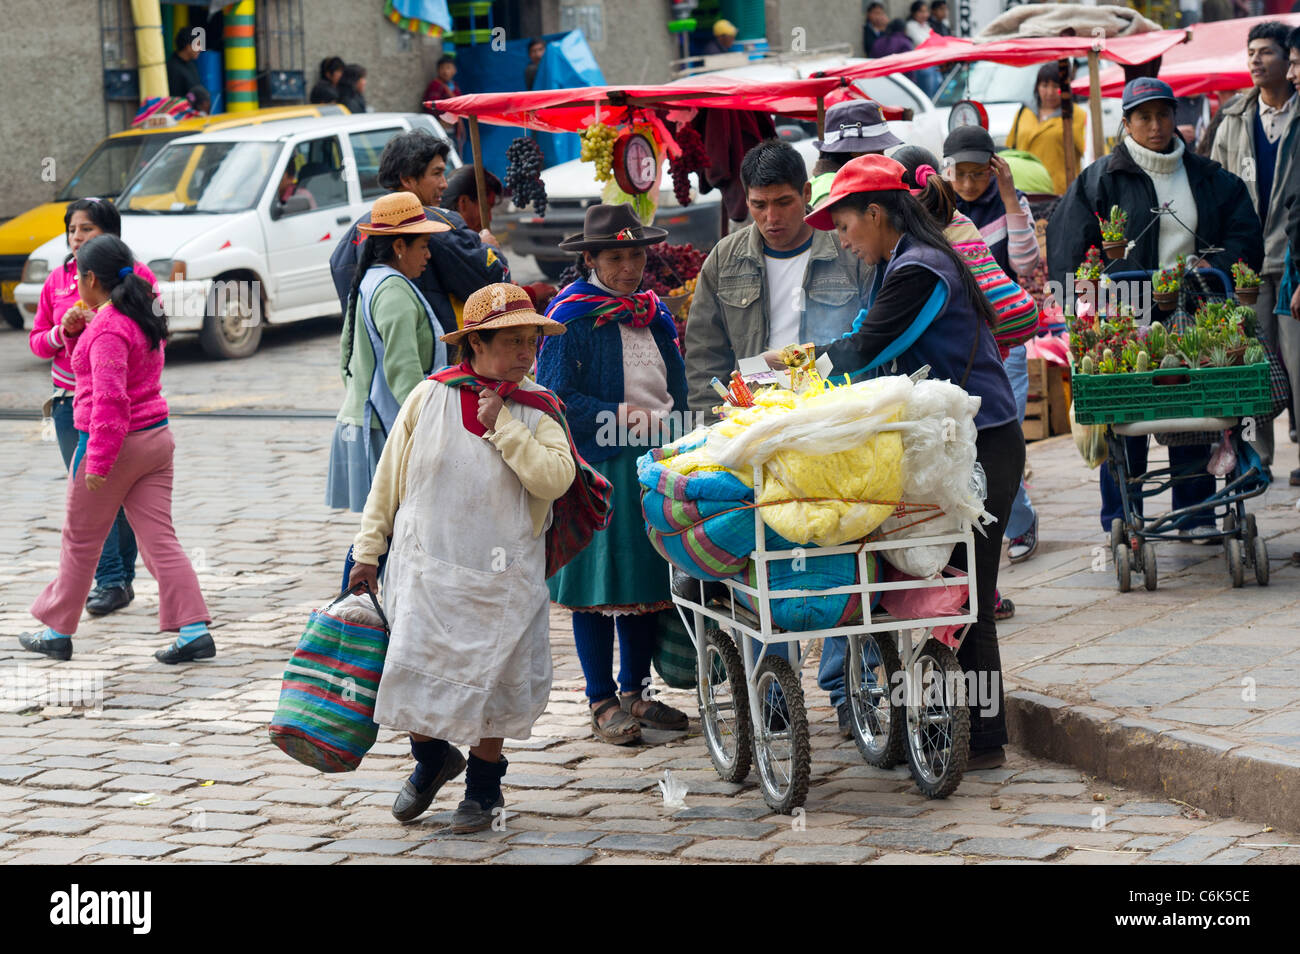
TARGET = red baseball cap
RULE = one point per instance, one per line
(863, 174)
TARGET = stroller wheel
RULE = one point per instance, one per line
(1236, 565)
(1261, 561)
(1149, 566)
(1123, 568)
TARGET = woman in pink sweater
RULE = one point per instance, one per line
(83, 220)
(123, 457)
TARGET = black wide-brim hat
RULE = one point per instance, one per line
(612, 226)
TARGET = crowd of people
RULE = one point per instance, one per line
(473, 434)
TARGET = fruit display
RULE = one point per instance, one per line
(670, 266)
(523, 174)
(692, 159)
(598, 147)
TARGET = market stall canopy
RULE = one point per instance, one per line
(1215, 59)
(1016, 51)
(569, 110)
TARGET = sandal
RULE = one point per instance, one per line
(621, 729)
(656, 715)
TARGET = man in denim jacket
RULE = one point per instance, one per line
(776, 282)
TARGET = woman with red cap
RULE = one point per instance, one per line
(929, 310)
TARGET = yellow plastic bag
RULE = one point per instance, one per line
(1090, 439)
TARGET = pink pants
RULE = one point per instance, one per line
(141, 482)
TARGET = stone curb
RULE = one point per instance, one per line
(1252, 782)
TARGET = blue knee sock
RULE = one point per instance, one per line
(429, 757)
(191, 632)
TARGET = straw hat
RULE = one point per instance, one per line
(501, 306)
(400, 213)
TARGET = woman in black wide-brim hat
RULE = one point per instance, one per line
(623, 382)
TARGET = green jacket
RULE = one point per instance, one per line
(403, 324)
(729, 313)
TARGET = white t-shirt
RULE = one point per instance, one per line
(784, 273)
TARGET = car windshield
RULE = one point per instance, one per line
(988, 83)
(107, 170)
(888, 93)
(202, 177)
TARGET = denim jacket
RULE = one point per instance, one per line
(729, 313)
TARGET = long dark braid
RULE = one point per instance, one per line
(908, 217)
(375, 250)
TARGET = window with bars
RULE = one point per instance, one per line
(281, 51)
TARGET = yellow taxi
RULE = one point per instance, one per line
(105, 173)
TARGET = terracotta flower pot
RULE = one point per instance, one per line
(1165, 300)
(1247, 295)
(1114, 249)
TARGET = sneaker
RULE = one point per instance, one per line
(845, 720)
(1200, 535)
(1004, 608)
(56, 647)
(1023, 546)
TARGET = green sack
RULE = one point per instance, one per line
(673, 655)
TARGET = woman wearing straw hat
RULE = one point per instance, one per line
(469, 656)
(389, 343)
(930, 310)
(622, 379)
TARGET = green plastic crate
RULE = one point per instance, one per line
(1203, 392)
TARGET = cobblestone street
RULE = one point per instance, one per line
(176, 765)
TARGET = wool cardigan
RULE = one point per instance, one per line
(584, 367)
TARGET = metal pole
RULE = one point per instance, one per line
(1067, 121)
(484, 209)
(1094, 104)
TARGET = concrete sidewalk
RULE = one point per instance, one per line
(173, 764)
(1193, 690)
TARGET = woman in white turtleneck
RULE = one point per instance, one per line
(1152, 168)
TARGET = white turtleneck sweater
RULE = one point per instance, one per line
(1169, 175)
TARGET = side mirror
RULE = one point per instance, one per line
(294, 204)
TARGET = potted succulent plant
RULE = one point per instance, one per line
(1245, 282)
(1112, 232)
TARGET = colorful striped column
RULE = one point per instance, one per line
(241, 58)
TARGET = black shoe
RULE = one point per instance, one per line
(105, 599)
(472, 816)
(56, 647)
(411, 804)
(201, 648)
(986, 758)
(846, 720)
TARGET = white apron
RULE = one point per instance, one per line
(469, 657)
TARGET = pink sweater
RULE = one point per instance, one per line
(119, 385)
(59, 294)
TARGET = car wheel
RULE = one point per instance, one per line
(553, 268)
(232, 327)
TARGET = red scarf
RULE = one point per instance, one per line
(585, 507)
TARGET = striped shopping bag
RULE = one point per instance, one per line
(325, 717)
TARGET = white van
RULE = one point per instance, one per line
(206, 215)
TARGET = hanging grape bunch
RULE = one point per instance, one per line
(670, 266)
(693, 159)
(523, 174)
(598, 147)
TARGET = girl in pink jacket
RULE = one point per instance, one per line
(123, 457)
(83, 220)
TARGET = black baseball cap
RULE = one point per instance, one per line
(1144, 89)
(969, 144)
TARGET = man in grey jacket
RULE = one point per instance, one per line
(1252, 142)
(776, 282)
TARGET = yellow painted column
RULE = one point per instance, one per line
(151, 55)
(241, 58)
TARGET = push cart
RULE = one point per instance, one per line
(1140, 404)
(905, 689)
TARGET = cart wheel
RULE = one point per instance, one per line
(1123, 568)
(938, 721)
(1261, 561)
(1230, 522)
(1149, 566)
(870, 669)
(781, 736)
(1252, 531)
(724, 707)
(1116, 532)
(1236, 565)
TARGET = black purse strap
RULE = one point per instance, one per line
(374, 602)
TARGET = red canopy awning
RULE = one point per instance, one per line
(1215, 59)
(569, 110)
(1015, 51)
